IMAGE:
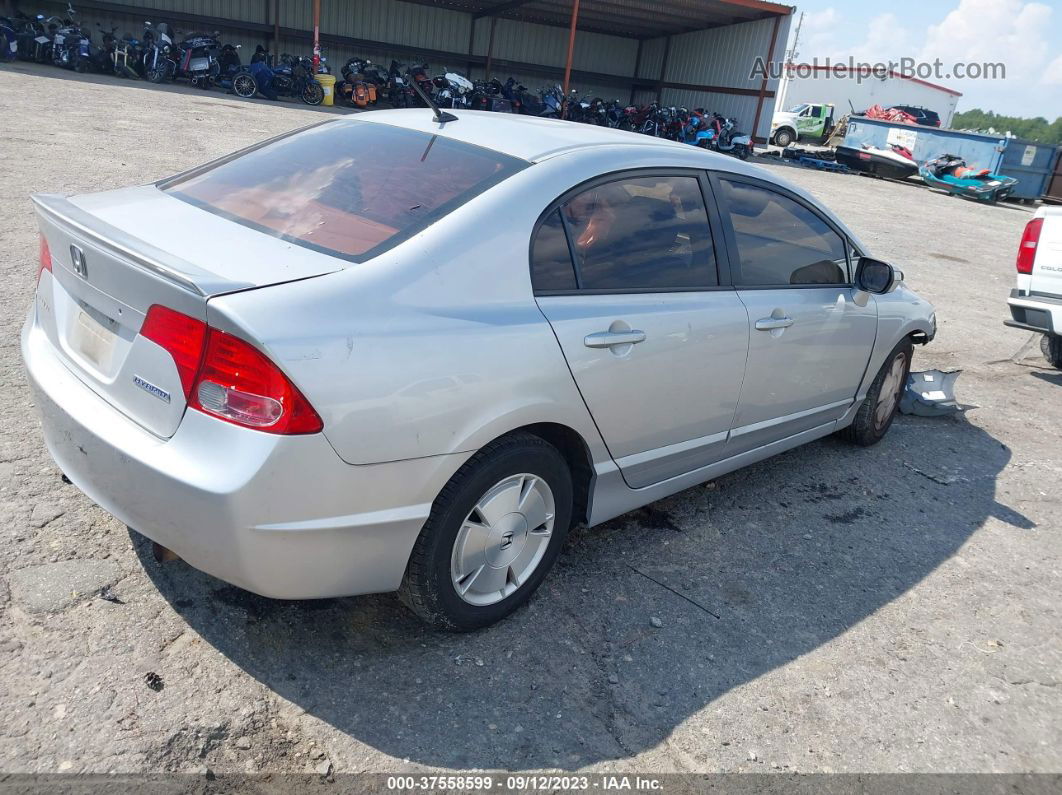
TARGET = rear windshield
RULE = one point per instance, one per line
(350, 189)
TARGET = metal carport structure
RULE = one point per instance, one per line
(693, 53)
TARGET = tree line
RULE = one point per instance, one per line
(1037, 129)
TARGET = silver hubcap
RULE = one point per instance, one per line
(889, 395)
(502, 540)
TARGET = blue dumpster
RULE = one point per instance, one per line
(1032, 163)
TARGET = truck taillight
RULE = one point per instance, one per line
(228, 378)
(45, 263)
(1027, 248)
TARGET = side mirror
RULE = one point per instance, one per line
(877, 277)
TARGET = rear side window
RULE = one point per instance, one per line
(551, 260)
(350, 189)
(780, 241)
(641, 233)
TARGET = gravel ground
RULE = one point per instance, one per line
(893, 609)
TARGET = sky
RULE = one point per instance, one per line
(1025, 35)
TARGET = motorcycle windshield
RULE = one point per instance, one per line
(351, 189)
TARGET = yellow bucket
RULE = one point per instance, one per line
(328, 83)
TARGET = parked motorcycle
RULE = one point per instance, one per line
(293, 77)
(198, 59)
(233, 74)
(452, 90)
(158, 62)
(71, 47)
(729, 140)
(102, 58)
(127, 57)
(362, 82)
(8, 39)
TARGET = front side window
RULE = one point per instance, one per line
(351, 189)
(641, 233)
(780, 241)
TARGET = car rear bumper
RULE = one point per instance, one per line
(1035, 312)
(282, 516)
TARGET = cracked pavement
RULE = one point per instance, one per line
(833, 609)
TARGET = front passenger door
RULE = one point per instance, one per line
(810, 340)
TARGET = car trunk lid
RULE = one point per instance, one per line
(116, 254)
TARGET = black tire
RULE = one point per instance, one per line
(1051, 345)
(865, 430)
(244, 85)
(783, 138)
(427, 588)
(313, 94)
(156, 75)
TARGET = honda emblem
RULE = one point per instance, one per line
(77, 257)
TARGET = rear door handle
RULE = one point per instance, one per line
(606, 339)
(771, 323)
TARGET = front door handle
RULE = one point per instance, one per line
(606, 339)
(772, 323)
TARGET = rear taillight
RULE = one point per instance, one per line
(1027, 248)
(225, 377)
(183, 338)
(45, 259)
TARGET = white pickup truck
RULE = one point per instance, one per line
(1036, 303)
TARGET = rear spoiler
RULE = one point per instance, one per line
(175, 270)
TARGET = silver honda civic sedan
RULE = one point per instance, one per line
(386, 353)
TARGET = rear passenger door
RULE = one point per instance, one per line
(624, 268)
(810, 339)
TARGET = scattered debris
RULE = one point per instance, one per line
(324, 769)
(613, 679)
(243, 743)
(931, 393)
(107, 594)
(154, 681)
(656, 622)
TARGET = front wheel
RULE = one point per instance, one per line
(313, 94)
(1051, 345)
(783, 138)
(878, 410)
(494, 532)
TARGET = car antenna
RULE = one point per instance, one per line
(441, 116)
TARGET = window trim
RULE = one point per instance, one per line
(733, 256)
(715, 229)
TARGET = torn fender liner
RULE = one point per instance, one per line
(931, 393)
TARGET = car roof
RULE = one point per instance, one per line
(530, 138)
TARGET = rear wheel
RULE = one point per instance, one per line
(878, 410)
(493, 534)
(244, 85)
(1051, 345)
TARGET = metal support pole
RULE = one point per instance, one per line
(471, 42)
(571, 49)
(663, 71)
(763, 85)
(316, 36)
(490, 45)
(276, 32)
(637, 68)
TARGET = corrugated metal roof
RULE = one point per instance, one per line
(639, 19)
